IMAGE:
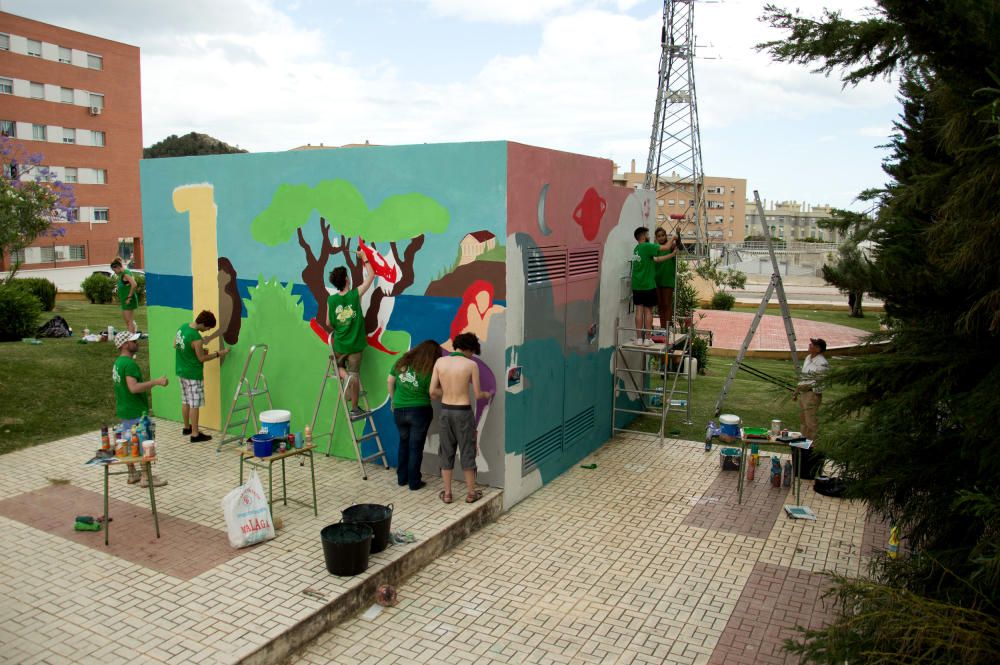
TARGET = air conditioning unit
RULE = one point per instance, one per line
(95, 110)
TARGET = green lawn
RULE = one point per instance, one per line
(756, 401)
(869, 323)
(61, 387)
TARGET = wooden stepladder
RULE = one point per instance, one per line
(248, 390)
(333, 372)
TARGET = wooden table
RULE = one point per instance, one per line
(744, 442)
(247, 457)
(147, 465)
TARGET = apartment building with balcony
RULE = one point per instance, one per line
(75, 99)
(724, 212)
(790, 221)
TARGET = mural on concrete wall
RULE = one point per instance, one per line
(253, 239)
(565, 221)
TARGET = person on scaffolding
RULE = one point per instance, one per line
(347, 325)
(666, 274)
(645, 256)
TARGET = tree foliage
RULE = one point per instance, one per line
(31, 199)
(188, 145)
(924, 451)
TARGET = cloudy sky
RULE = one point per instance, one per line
(576, 75)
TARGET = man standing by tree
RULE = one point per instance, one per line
(450, 382)
(809, 391)
(190, 357)
(128, 296)
(345, 319)
(130, 394)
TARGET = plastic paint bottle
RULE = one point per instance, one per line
(775, 472)
(787, 480)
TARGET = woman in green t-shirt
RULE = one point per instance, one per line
(409, 394)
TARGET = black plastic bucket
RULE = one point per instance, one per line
(346, 548)
(378, 517)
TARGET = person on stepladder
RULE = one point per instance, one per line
(666, 273)
(809, 393)
(190, 357)
(127, 290)
(645, 256)
(347, 323)
(450, 381)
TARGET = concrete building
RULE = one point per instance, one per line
(75, 99)
(790, 220)
(725, 205)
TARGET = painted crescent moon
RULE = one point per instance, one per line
(542, 226)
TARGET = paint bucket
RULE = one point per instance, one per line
(263, 445)
(730, 425)
(377, 516)
(346, 548)
(276, 423)
(729, 459)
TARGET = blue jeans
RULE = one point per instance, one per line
(412, 423)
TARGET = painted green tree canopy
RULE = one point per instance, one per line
(342, 205)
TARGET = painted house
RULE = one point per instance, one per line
(253, 237)
(475, 244)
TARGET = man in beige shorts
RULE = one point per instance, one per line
(450, 381)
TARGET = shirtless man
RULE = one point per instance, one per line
(450, 382)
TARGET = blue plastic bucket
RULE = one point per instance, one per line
(262, 445)
(276, 423)
(730, 425)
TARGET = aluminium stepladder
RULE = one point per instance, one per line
(249, 391)
(333, 372)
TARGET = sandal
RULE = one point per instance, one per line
(445, 497)
(474, 496)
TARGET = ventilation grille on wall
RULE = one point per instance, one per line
(584, 261)
(546, 266)
(538, 450)
(579, 425)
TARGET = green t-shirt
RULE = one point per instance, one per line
(123, 289)
(665, 271)
(643, 272)
(412, 388)
(348, 323)
(128, 405)
(186, 362)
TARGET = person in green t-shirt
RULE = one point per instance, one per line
(409, 395)
(190, 356)
(346, 322)
(645, 256)
(128, 294)
(131, 401)
(666, 276)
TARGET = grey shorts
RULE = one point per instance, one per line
(458, 431)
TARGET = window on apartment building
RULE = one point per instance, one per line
(100, 176)
(35, 48)
(71, 175)
(65, 55)
(6, 86)
(4, 42)
(69, 135)
(659, 202)
(37, 90)
(670, 202)
(96, 100)
(39, 133)
(77, 252)
(97, 138)
(95, 61)
(101, 215)
(66, 95)
(8, 128)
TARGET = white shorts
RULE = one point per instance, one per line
(193, 392)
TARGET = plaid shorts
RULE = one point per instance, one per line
(193, 392)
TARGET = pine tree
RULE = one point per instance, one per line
(924, 453)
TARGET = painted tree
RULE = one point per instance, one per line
(924, 452)
(343, 212)
(31, 201)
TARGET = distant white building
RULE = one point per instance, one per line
(476, 243)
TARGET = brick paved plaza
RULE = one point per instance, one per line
(645, 559)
